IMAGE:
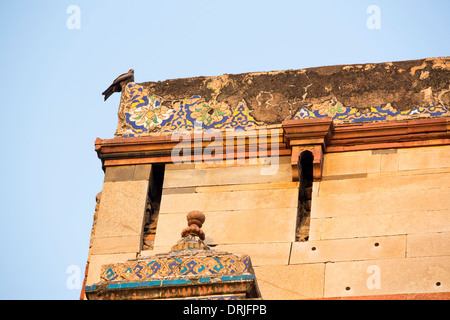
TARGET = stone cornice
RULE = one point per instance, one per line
(320, 136)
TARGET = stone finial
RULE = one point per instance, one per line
(195, 221)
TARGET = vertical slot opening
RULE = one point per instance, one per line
(153, 204)
(305, 173)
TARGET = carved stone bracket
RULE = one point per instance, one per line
(317, 152)
(313, 135)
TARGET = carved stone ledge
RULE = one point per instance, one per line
(312, 135)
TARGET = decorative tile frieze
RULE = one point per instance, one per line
(190, 270)
(185, 264)
(146, 113)
(341, 114)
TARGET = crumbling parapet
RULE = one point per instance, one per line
(346, 94)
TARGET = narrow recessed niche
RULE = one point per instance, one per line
(305, 173)
(152, 206)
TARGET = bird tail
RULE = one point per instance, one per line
(107, 93)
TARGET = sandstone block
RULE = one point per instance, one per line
(424, 158)
(142, 172)
(428, 244)
(291, 282)
(119, 173)
(388, 276)
(351, 163)
(239, 200)
(348, 249)
(233, 227)
(315, 226)
(385, 224)
(122, 208)
(262, 254)
(389, 162)
(252, 186)
(112, 245)
(392, 182)
(225, 176)
(369, 203)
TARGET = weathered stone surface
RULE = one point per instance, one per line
(120, 173)
(220, 201)
(262, 254)
(122, 209)
(142, 172)
(396, 276)
(248, 187)
(128, 173)
(179, 166)
(428, 244)
(385, 224)
(351, 163)
(354, 85)
(263, 225)
(370, 203)
(225, 176)
(112, 245)
(267, 98)
(259, 161)
(389, 162)
(315, 226)
(369, 248)
(291, 282)
(424, 158)
(393, 182)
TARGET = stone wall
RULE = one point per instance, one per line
(379, 226)
(241, 205)
(119, 222)
(378, 220)
(374, 214)
(375, 221)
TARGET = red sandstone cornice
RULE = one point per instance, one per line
(390, 134)
(157, 149)
(308, 131)
(295, 136)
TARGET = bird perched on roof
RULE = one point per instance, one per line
(117, 84)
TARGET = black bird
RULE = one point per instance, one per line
(120, 81)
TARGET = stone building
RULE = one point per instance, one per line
(329, 182)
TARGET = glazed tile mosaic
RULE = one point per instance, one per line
(190, 270)
(174, 267)
(144, 113)
(184, 274)
(172, 282)
(341, 114)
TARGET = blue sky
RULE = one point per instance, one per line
(52, 108)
